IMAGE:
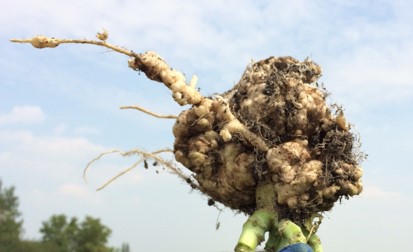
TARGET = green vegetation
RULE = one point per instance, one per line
(10, 222)
(59, 233)
(66, 235)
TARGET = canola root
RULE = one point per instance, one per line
(273, 125)
(269, 147)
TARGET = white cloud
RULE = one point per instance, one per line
(85, 130)
(60, 129)
(375, 192)
(74, 190)
(377, 67)
(60, 161)
(23, 115)
(5, 156)
(47, 157)
(383, 75)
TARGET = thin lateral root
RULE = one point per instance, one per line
(96, 159)
(146, 111)
(40, 42)
(120, 174)
(145, 155)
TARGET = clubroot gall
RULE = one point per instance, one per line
(270, 147)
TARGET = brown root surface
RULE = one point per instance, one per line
(307, 152)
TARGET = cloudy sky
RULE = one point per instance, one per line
(59, 108)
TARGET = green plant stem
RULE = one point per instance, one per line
(265, 219)
(254, 229)
(273, 240)
(261, 221)
(315, 243)
(291, 232)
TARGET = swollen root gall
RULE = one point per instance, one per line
(273, 127)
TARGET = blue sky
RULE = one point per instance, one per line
(59, 109)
